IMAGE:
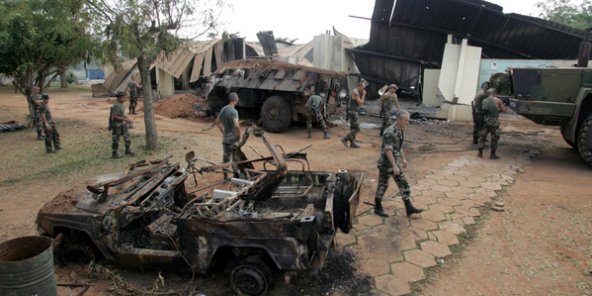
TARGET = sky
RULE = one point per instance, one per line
(303, 19)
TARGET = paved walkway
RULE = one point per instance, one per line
(395, 251)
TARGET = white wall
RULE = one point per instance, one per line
(460, 72)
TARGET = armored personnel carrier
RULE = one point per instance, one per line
(275, 90)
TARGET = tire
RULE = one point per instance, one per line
(251, 277)
(585, 140)
(345, 187)
(276, 114)
(74, 251)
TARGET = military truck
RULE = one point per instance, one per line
(267, 221)
(560, 97)
(275, 90)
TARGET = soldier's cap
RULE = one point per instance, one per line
(120, 94)
(45, 97)
(392, 86)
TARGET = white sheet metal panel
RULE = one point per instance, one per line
(207, 69)
(197, 65)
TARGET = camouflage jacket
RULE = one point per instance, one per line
(392, 139)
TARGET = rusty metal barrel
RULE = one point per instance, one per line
(26, 267)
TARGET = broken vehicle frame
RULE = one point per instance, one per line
(269, 221)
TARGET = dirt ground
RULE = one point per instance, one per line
(540, 245)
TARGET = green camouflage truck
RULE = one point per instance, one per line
(560, 97)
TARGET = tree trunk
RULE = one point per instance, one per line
(63, 76)
(149, 122)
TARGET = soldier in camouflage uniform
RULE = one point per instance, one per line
(132, 86)
(356, 102)
(36, 102)
(119, 126)
(313, 106)
(391, 164)
(491, 108)
(387, 100)
(52, 137)
(478, 112)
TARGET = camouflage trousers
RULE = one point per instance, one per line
(37, 123)
(386, 120)
(117, 132)
(354, 126)
(385, 172)
(52, 137)
(133, 104)
(477, 126)
(489, 126)
(231, 153)
(315, 114)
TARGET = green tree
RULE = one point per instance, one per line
(567, 12)
(39, 37)
(144, 29)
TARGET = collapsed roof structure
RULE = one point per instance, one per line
(408, 36)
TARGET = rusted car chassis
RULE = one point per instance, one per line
(263, 222)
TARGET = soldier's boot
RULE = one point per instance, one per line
(378, 209)
(128, 151)
(354, 145)
(344, 141)
(410, 209)
(480, 154)
(493, 155)
(40, 136)
(116, 154)
(309, 134)
(326, 135)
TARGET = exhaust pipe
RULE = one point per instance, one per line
(585, 47)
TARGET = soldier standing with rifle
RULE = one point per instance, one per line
(119, 126)
(356, 102)
(52, 137)
(133, 86)
(35, 99)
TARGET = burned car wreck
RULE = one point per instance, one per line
(270, 220)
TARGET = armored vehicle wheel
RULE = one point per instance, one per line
(585, 140)
(251, 277)
(345, 187)
(276, 114)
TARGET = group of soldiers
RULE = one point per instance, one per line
(391, 163)
(392, 158)
(118, 122)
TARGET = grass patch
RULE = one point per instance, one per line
(87, 153)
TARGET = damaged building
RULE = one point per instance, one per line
(417, 44)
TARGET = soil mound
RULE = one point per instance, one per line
(178, 106)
